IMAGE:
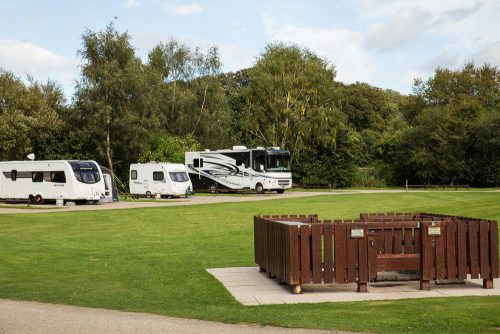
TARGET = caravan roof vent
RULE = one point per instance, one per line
(259, 148)
(207, 150)
(273, 148)
(239, 147)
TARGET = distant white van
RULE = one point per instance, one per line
(38, 181)
(159, 178)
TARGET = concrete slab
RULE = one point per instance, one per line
(251, 287)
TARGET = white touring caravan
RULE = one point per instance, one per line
(37, 181)
(258, 169)
(159, 178)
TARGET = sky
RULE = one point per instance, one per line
(386, 43)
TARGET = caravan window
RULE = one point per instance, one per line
(13, 175)
(37, 177)
(158, 176)
(58, 177)
(86, 171)
(179, 176)
(133, 175)
(198, 162)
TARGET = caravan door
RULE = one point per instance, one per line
(108, 186)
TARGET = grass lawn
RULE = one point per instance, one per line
(154, 260)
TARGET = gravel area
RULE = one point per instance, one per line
(18, 317)
(182, 201)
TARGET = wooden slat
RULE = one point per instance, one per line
(408, 240)
(440, 253)
(372, 256)
(388, 241)
(363, 275)
(316, 253)
(462, 250)
(386, 262)
(305, 255)
(352, 257)
(484, 255)
(451, 245)
(473, 249)
(294, 269)
(328, 253)
(340, 253)
(426, 255)
(416, 240)
(494, 249)
(398, 241)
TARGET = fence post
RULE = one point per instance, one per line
(426, 252)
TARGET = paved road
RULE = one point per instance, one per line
(17, 317)
(188, 201)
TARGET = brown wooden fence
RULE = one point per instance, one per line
(302, 249)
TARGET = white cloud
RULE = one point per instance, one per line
(445, 59)
(398, 31)
(182, 9)
(132, 3)
(23, 58)
(490, 54)
(235, 57)
(343, 47)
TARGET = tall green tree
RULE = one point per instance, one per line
(31, 117)
(190, 98)
(113, 98)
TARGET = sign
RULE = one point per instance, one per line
(357, 233)
(434, 230)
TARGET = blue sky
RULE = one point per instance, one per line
(386, 43)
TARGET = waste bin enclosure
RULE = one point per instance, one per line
(301, 249)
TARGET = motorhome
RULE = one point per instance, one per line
(238, 169)
(50, 180)
(159, 179)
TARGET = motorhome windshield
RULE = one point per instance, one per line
(85, 171)
(278, 162)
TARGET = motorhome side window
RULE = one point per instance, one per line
(158, 176)
(58, 177)
(198, 162)
(259, 159)
(37, 177)
(133, 174)
(240, 157)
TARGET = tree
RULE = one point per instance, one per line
(31, 118)
(113, 97)
(168, 148)
(190, 97)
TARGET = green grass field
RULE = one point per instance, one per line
(154, 260)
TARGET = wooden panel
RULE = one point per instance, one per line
(417, 243)
(398, 241)
(473, 249)
(305, 255)
(451, 245)
(388, 236)
(483, 250)
(294, 259)
(340, 253)
(426, 254)
(386, 262)
(316, 253)
(462, 250)
(328, 253)
(363, 259)
(440, 253)
(372, 256)
(494, 249)
(352, 257)
(408, 249)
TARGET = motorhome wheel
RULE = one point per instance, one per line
(259, 188)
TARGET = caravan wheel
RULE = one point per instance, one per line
(213, 188)
(148, 194)
(38, 199)
(31, 199)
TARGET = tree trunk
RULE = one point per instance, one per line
(108, 151)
